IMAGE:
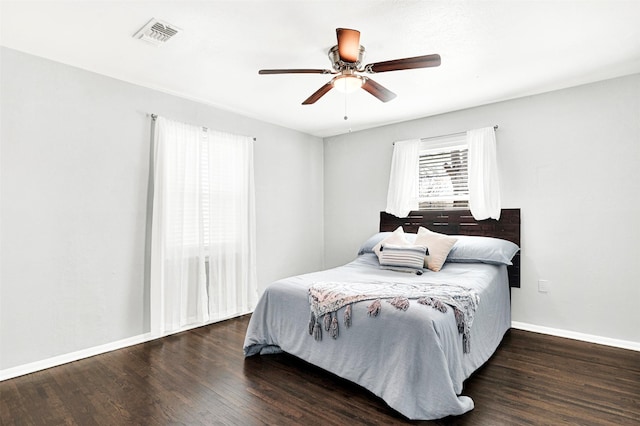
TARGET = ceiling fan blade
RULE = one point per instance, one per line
(348, 44)
(404, 64)
(296, 71)
(378, 90)
(318, 94)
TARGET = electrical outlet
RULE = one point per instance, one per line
(544, 286)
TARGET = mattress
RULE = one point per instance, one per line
(413, 359)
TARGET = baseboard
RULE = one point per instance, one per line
(624, 344)
(194, 326)
(32, 367)
(21, 370)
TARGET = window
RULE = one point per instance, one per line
(202, 265)
(206, 192)
(443, 180)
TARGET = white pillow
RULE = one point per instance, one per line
(396, 238)
(438, 247)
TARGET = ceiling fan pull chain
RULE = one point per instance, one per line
(345, 107)
(345, 110)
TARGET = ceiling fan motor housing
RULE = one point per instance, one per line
(339, 65)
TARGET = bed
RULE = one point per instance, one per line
(415, 359)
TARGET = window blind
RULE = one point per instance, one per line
(443, 173)
(202, 221)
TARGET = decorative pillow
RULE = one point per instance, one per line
(402, 258)
(438, 246)
(397, 237)
(472, 249)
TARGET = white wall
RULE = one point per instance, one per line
(570, 159)
(74, 157)
(74, 167)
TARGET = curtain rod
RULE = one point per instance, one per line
(154, 116)
(452, 134)
(449, 134)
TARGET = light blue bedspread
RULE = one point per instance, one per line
(411, 359)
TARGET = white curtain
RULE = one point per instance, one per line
(203, 227)
(484, 187)
(402, 196)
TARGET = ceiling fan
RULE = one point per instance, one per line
(346, 59)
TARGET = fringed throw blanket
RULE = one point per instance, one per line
(326, 298)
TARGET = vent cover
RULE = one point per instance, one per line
(157, 32)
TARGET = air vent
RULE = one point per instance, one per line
(157, 32)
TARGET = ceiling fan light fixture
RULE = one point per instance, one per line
(348, 83)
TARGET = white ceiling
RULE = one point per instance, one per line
(491, 51)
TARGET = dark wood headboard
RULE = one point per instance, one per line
(461, 222)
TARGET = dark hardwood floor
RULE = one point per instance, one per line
(200, 377)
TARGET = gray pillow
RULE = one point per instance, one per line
(402, 258)
(472, 249)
